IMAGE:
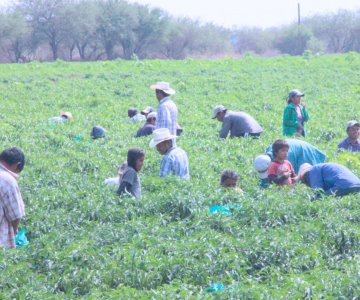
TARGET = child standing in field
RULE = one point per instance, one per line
(130, 182)
(295, 115)
(280, 170)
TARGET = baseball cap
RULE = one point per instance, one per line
(352, 123)
(217, 109)
(261, 164)
(295, 93)
(151, 115)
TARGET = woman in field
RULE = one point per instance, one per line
(130, 182)
(295, 115)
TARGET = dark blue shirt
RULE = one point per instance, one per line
(147, 129)
(331, 177)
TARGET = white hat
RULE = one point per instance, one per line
(352, 123)
(151, 115)
(261, 164)
(163, 86)
(217, 109)
(67, 114)
(160, 135)
(305, 167)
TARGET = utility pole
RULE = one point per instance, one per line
(299, 13)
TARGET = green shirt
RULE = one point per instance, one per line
(290, 120)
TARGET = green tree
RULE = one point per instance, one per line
(294, 40)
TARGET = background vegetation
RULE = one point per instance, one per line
(109, 29)
(86, 242)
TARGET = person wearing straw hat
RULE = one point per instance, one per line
(175, 161)
(64, 117)
(149, 126)
(240, 124)
(147, 110)
(12, 208)
(352, 142)
(329, 179)
(167, 112)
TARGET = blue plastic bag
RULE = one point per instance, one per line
(223, 209)
(217, 287)
(21, 239)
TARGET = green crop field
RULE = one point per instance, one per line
(88, 243)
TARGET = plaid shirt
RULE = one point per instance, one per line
(175, 162)
(11, 206)
(167, 115)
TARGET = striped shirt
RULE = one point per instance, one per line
(175, 162)
(11, 206)
(167, 115)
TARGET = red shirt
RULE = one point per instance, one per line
(278, 169)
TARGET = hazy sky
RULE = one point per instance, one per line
(260, 13)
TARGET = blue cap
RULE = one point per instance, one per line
(97, 132)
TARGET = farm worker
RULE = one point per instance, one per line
(97, 132)
(352, 142)
(175, 160)
(115, 181)
(167, 112)
(147, 110)
(64, 117)
(229, 179)
(295, 115)
(240, 124)
(261, 164)
(301, 152)
(135, 116)
(280, 170)
(330, 179)
(149, 126)
(12, 208)
(130, 182)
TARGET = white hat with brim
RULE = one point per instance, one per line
(161, 135)
(261, 164)
(66, 114)
(217, 109)
(163, 86)
(305, 167)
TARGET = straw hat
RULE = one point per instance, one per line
(163, 86)
(160, 135)
(66, 114)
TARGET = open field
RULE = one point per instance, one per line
(86, 242)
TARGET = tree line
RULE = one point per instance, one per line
(109, 29)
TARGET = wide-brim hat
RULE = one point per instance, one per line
(261, 164)
(160, 135)
(163, 86)
(217, 109)
(66, 114)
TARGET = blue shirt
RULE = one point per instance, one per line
(331, 177)
(347, 145)
(301, 152)
(175, 162)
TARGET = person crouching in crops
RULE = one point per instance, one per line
(261, 164)
(149, 126)
(329, 179)
(130, 182)
(64, 117)
(229, 179)
(352, 142)
(280, 171)
(239, 124)
(115, 181)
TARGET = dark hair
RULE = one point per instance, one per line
(279, 144)
(228, 174)
(132, 112)
(13, 156)
(133, 155)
